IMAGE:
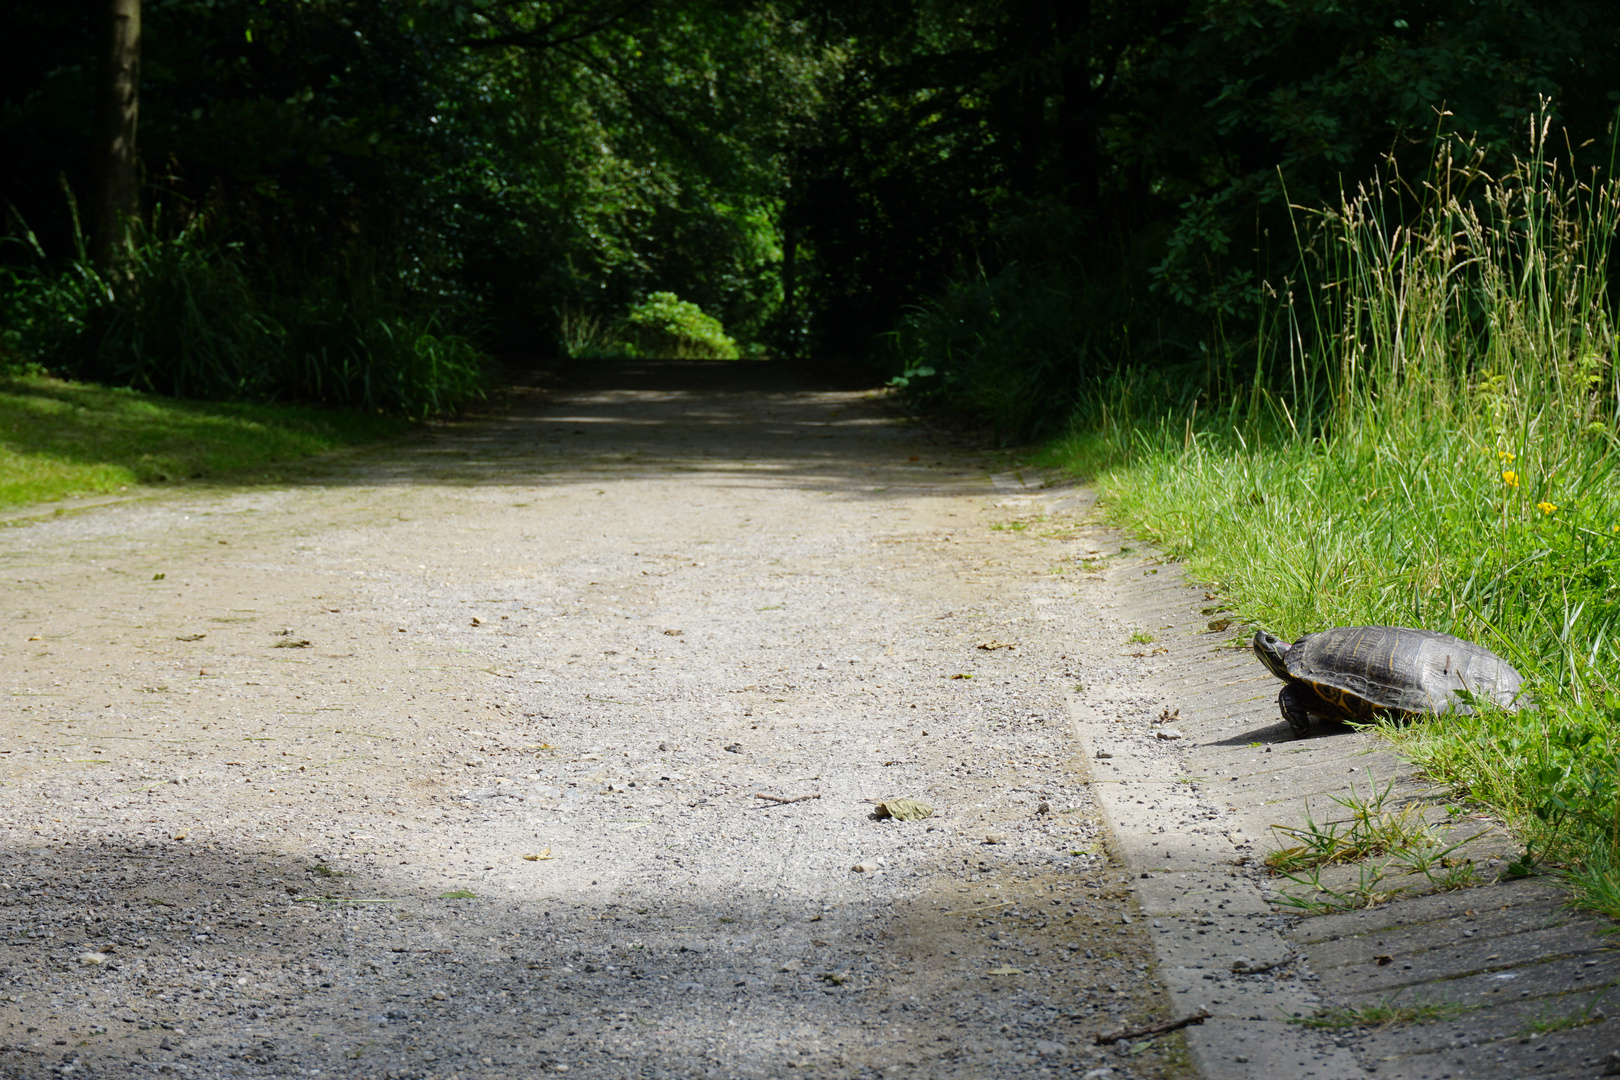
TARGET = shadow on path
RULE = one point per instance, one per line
(733, 422)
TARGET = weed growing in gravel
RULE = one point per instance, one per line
(1548, 1022)
(1374, 828)
(1319, 899)
(1384, 1014)
(1371, 830)
(1139, 637)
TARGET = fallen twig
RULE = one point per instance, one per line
(342, 900)
(1154, 1029)
(779, 799)
(985, 907)
(1241, 968)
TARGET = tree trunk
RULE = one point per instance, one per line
(790, 287)
(788, 228)
(1077, 115)
(1019, 105)
(118, 190)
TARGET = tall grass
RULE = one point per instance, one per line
(354, 337)
(1431, 441)
(185, 317)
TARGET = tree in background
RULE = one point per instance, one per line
(118, 202)
(515, 158)
(1012, 197)
(651, 146)
(1065, 192)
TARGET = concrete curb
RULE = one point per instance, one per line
(1194, 768)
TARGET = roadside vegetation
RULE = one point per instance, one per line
(184, 316)
(60, 439)
(1435, 448)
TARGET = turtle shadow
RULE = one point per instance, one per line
(1279, 733)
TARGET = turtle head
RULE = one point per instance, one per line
(1273, 652)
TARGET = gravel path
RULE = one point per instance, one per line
(555, 743)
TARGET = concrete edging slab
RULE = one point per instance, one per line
(1193, 769)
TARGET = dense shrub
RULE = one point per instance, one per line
(182, 317)
(665, 325)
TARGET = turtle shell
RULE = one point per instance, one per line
(1363, 670)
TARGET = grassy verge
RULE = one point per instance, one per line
(1441, 453)
(60, 439)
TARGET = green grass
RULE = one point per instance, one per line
(1387, 1013)
(61, 439)
(1430, 441)
(1549, 1021)
(1396, 849)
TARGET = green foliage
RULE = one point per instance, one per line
(1026, 347)
(585, 336)
(184, 323)
(183, 318)
(1260, 106)
(939, 119)
(665, 325)
(1176, 138)
(1555, 773)
(1007, 349)
(629, 148)
(662, 325)
(507, 158)
(355, 338)
(807, 173)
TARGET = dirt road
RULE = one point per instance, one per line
(553, 743)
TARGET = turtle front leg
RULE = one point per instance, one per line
(1293, 702)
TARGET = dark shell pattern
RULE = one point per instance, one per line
(1365, 669)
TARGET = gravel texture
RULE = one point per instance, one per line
(553, 742)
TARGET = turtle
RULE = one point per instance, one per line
(1360, 672)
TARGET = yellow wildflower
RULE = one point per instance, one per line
(1505, 456)
(1547, 507)
(1510, 478)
